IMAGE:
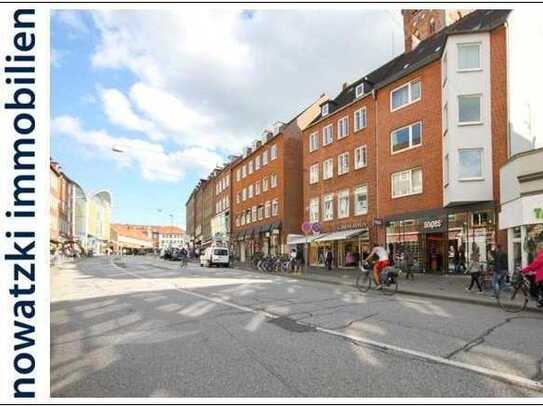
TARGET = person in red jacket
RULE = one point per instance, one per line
(535, 271)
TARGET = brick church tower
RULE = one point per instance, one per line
(421, 24)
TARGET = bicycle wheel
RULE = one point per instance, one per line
(390, 287)
(513, 298)
(363, 281)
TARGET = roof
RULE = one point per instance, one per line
(127, 231)
(167, 229)
(426, 52)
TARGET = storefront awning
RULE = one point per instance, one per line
(302, 239)
(342, 235)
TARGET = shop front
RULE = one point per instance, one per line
(442, 240)
(265, 239)
(347, 247)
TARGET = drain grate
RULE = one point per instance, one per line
(291, 325)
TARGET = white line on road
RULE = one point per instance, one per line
(509, 378)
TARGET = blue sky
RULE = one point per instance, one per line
(178, 91)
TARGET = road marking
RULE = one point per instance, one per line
(506, 377)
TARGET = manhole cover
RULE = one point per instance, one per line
(291, 325)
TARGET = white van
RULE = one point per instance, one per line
(215, 255)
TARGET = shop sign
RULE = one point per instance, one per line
(347, 226)
(538, 212)
(434, 225)
(378, 221)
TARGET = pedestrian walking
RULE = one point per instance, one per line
(299, 260)
(500, 269)
(329, 257)
(475, 273)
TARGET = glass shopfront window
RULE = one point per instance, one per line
(404, 238)
(351, 251)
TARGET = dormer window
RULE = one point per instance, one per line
(324, 109)
(359, 90)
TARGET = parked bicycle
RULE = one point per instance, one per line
(389, 278)
(514, 297)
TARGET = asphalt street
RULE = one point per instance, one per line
(144, 327)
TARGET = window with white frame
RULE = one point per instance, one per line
(275, 207)
(267, 209)
(250, 191)
(444, 69)
(257, 188)
(264, 157)
(470, 164)
(238, 222)
(313, 141)
(254, 213)
(238, 174)
(406, 182)
(343, 204)
(260, 212)
(445, 119)
(343, 127)
(273, 152)
(405, 95)
(227, 181)
(359, 90)
(469, 109)
(328, 207)
(244, 194)
(406, 137)
(314, 174)
(360, 117)
(226, 201)
(328, 168)
(242, 219)
(251, 167)
(324, 109)
(238, 197)
(314, 210)
(327, 135)
(343, 164)
(217, 189)
(265, 184)
(361, 200)
(469, 57)
(273, 180)
(360, 157)
(446, 170)
(244, 171)
(257, 162)
(248, 216)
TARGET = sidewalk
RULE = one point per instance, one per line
(447, 287)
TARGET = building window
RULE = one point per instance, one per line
(444, 70)
(446, 170)
(469, 109)
(244, 194)
(359, 90)
(328, 207)
(327, 135)
(238, 197)
(406, 138)
(343, 127)
(250, 191)
(257, 188)
(360, 119)
(407, 183)
(227, 181)
(314, 210)
(264, 157)
(273, 180)
(254, 213)
(267, 208)
(251, 167)
(445, 119)
(313, 141)
(324, 109)
(257, 162)
(343, 204)
(238, 175)
(360, 157)
(314, 174)
(275, 207)
(469, 57)
(248, 216)
(405, 95)
(361, 200)
(244, 171)
(273, 153)
(260, 212)
(265, 184)
(328, 169)
(470, 164)
(343, 164)
(242, 219)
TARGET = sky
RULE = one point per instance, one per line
(144, 103)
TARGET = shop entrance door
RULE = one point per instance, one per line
(434, 253)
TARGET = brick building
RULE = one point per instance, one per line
(221, 223)
(266, 189)
(408, 155)
(60, 205)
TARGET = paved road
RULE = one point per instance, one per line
(140, 327)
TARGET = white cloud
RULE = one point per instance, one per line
(73, 19)
(57, 55)
(153, 161)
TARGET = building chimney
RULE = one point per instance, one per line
(344, 86)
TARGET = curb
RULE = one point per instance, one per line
(424, 294)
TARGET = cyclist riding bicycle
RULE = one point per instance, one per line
(380, 264)
(535, 272)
